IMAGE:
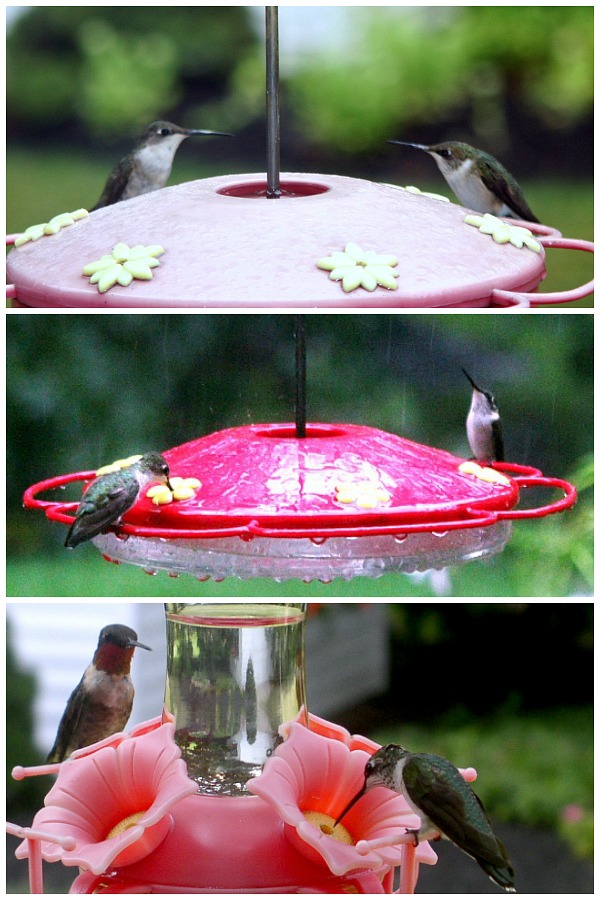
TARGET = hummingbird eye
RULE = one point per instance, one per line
(164, 131)
(447, 154)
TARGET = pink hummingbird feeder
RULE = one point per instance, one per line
(285, 241)
(235, 789)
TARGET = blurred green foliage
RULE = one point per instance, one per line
(513, 697)
(460, 639)
(535, 770)
(424, 66)
(85, 389)
(493, 72)
(21, 749)
(116, 68)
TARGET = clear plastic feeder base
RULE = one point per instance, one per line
(309, 559)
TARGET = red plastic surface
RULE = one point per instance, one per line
(260, 480)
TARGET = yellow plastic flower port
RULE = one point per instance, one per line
(118, 464)
(183, 489)
(503, 233)
(123, 265)
(35, 232)
(356, 267)
(484, 473)
(364, 495)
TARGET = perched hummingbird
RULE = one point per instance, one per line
(479, 181)
(109, 496)
(484, 429)
(447, 806)
(148, 166)
(101, 703)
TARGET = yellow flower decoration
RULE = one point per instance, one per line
(118, 464)
(484, 473)
(123, 265)
(356, 267)
(35, 232)
(503, 233)
(411, 189)
(183, 489)
(363, 494)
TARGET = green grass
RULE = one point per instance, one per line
(533, 768)
(42, 183)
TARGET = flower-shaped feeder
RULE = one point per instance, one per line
(345, 500)
(278, 840)
(265, 779)
(227, 245)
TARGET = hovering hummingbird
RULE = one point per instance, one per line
(479, 181)
(101, 703)
(109, 496)
(148, 166)
(447, 806)
(484, 429)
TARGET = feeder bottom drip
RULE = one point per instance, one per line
(285, 558)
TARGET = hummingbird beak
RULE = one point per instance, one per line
(407, 144)
(473, 385)
(191, 131)
(347, 808)
(137, 644)
(169, 485)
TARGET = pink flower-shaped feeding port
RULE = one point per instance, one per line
(114, 801)
(309, 779)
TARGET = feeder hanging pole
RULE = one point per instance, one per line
(300, 377)
(273, 131)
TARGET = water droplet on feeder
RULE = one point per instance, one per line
(318, 540)
(115, 562)
(400, 538)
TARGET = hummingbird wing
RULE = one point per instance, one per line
(101, 506)
(68, 726)
(498, 440)
(115, 183)
(506, 188)
(440, 791)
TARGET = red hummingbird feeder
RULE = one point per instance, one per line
(313, 501)
(286, 241)
(345, 500)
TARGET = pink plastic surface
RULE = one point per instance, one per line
(250, 844)
(227, 247)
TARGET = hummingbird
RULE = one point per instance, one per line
(479, 181)
(484, 429)
(148, 166)
(109, 496)
(101, 703)
(447, 806)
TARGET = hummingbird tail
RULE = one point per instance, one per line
(502, 876)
